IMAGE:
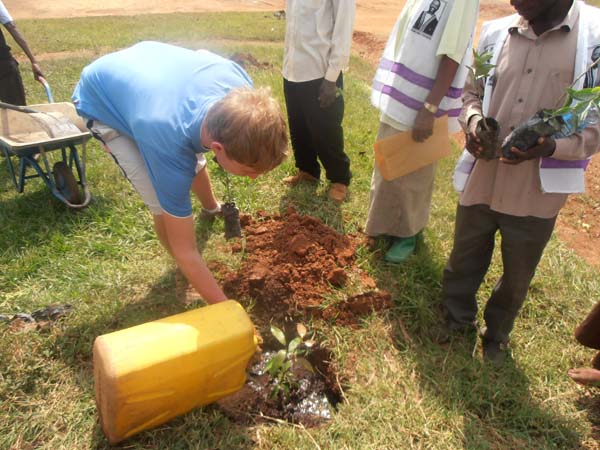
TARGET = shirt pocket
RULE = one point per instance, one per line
(557, 82)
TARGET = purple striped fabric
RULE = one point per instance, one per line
(551, 163)
(410, 102)
(414, 77)
(465, 166)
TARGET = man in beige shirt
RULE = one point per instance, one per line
(505, 195)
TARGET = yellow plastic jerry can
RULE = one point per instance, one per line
(150, 373)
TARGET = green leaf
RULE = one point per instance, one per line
(275, 390)
(278, 335)
(581, 107)
(481, 65)
(584, 95)
(305, 363)
(294, 345)
(276, 362)
(309, 343)
(560, 111)
(269, 365)
(286, 366)
(301, 329)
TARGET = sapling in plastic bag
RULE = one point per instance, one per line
(580, 110)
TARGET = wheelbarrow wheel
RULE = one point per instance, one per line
(66, 183)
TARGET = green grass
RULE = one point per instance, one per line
(400, 393)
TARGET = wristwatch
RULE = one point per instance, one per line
(431, 108)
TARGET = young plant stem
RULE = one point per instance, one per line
(485, 125)
(228, 197)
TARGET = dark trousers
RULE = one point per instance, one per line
(11, 84)
(523, 240)
(316, 132)
(588, 332)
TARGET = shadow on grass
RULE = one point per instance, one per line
(28, 219)
(589, 402)
(492, 405)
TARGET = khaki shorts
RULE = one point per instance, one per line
(127, 155)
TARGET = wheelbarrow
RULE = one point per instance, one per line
(24, 136)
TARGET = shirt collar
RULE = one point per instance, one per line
(569, 22)
(196, 138)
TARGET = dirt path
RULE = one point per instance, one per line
(372, 16)
(579, 221)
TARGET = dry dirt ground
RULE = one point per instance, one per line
(579, 222)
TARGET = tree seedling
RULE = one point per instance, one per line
(488, 129)
(280, 366)
(580, 108)
(231, 213)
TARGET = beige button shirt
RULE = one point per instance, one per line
(318, 37)
(532, 73)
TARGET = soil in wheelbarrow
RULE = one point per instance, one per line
(295, 268)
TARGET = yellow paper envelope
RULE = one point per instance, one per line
(398, 155)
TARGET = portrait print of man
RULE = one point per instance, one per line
(427, 21)
(591, 76)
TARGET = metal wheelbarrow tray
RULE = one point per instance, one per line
(22, 136)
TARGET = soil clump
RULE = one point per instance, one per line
(293, 265)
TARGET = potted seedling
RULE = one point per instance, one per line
(282, 366)
(580, 109)
(488, 129)
(231, 213)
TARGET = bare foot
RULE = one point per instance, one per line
(596, 361)
(585, 376)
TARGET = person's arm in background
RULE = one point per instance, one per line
(455, 42)
(423, 126)
(341, 41)
(20, 39)
(470, 115)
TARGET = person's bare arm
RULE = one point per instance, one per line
(423, 126)
(202, 188)
(182, 242)
(20, 39)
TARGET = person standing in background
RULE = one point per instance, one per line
(518, 198)
(11, 84)
(317, 48)
(420, 78)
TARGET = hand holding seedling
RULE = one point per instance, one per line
(327, 93)
(544, 148)
(423, 127)
(473, 142)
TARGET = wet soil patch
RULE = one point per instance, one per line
(311, 401)
(296, 268)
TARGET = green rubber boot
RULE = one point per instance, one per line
(401, 249)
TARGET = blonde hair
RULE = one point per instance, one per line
(250, 126)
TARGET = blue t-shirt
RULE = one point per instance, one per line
(158, 95)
